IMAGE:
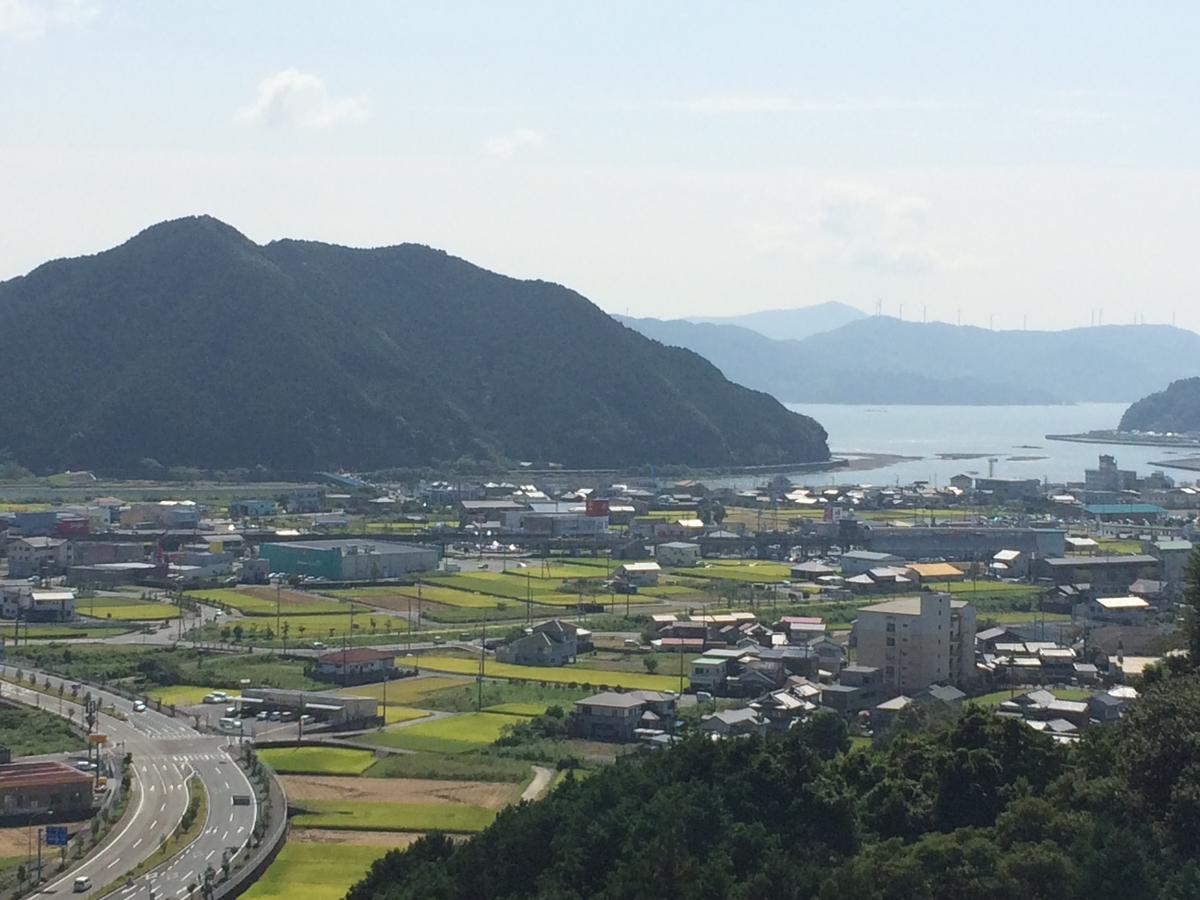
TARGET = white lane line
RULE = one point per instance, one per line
(210, 855)
(135, 843)
(241, 829)
(227, 785)
(231, 818)
(164, 806)
(188, 876)
(113, 863)
(225, 836)
(154, 824)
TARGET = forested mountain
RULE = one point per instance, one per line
(191, 345)
(790, 324)
(886, 360)
(1177, 409)
(979, 809)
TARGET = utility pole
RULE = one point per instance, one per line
(479, 678)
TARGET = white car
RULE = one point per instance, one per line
(139, 706)
(216, 697)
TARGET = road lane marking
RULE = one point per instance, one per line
(164, 806)
(154, 824)
(135, 843)
(210, 855)
(113, 863)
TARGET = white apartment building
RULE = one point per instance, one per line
(918, 641)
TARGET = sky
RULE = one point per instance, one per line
(1027, 164)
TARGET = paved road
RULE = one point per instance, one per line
(166, 753)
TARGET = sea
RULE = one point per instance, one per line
(949, 440)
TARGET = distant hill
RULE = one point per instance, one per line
(1176, 409)
(886, 360)
(791, 324)
(190, 345)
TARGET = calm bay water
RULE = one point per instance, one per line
(1004, 432)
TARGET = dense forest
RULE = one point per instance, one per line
(190, 345)
(1175, 409)
(977, 808)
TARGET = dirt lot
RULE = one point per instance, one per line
(361, 838)
(398, 790)
(15, 841)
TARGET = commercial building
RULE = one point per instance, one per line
(165, 514)
(254, 509)
(1108, 575)
(918, 641)
(34, 788)
(43, 557)
(959, 542)
(677, 554)
(1004, 490)
(1143, 513)
(338, 711)
(1173, 557)
(33, 605)
(349, 559)
(859, 562)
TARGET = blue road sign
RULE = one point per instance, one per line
(56, 836)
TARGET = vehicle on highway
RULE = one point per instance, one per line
(139, 706)
(82, 883)
(317, 645)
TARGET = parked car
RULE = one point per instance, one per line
(262, 716)
(216, 697)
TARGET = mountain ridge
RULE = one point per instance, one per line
(880, 359)
(189, 344)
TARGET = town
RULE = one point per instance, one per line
(505, 635)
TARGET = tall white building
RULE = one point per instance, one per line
(918, 641)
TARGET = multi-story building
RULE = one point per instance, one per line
(918, 641)
(38, 556)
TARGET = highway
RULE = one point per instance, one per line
(166, 754)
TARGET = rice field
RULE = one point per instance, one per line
(454, 734)
(120, 610)
(317, 760)
(451, 817)
(262, 601)
(402, 597)
(309, 871)
(407, 691)
(560, 674)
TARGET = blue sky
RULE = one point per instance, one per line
(1024, 161)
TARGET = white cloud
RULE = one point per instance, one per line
(28, 19)
(507, 144)
(732, 104)
(296, 98)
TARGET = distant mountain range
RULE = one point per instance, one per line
(880, 359)
(190, 345)
(791, 324)
(1176, 409)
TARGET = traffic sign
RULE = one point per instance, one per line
(97, 738)
(56, 835)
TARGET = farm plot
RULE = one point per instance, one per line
(296, 761)
(127, 610)
(308, 871)
(561, 674)
(456, 734)
(409, 691)
(485, 794)
(400, 598)
(261, 601)
(342, 815)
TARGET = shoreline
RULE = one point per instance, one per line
(1124, 438)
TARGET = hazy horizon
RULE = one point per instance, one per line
(1024, 165)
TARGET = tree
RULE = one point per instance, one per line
(651, 664)
(1191, 599)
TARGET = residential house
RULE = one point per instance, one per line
(552, 643)
(612, 716)
(918, 641)
(734, 723)
(44, 557)
(356, 666)
(677, 554)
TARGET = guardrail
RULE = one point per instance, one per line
(268, 846)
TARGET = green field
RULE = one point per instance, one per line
(560, 674)
(445, 596)
(753, 573)
(308, 871)
(497, 584)
(311, 627)
(407, 691)
(556, 571)
(473, 766)
(61, 632)
(27, 732)
(465, 697)
(317, 760)
(128, 610)
(184, 694)
(456, 734)
(453, 817)
(394, 714)
(518, 709)
(250, 605)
